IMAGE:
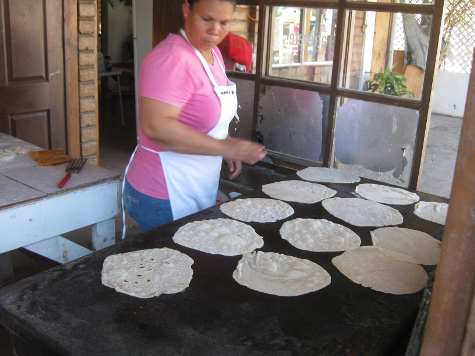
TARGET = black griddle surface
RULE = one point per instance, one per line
(67, 311)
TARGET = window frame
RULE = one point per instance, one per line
(335, 89)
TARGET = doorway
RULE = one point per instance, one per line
(116, 63)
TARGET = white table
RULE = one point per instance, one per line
(34, 213)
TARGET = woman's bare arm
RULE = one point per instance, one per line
(159, 122)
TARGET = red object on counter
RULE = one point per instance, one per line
(237, 49)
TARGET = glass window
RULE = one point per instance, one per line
(375, 141)
(245, 94)
(302, 43)
(239, 48)
(293, 121)
(387, 53)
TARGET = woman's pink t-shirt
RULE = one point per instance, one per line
(173, 74)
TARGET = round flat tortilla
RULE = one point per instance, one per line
(219, 236)
(327, 175)
(386, 194)
(260, 210)
(432, 211)
(361, 212)
(298, 191)
(319, 235)
(148, 273)
(371, 268)
(407, 245)
(281, 275)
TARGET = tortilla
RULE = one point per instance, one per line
(386, 194)
(370, 267)
(260, 210)
(319, 235)
(298, 191)
(281, 275)
(327, 175)
(219, 236)
(148, 273)
(407, 245)
(432, 211)
(360, 212)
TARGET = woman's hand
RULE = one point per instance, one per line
(234, 167)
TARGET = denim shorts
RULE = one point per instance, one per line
(148, 212)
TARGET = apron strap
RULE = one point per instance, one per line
(203, 61)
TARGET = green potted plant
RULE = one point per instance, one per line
(389, 83)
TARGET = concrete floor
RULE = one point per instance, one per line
(118, 142)
(441, 154)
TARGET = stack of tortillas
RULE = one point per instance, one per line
(219, 236)
(281, 275)
(327, 175)
(257, 210)
(298, 191)
(386, 194)
(432, 211)
(148, 273)
(319, 235)
(361, 212)
(371, 268)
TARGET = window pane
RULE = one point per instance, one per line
(293, 121)
(387, 53)
(245, 93)
(376, 141)
(239, 48)
(302, 43)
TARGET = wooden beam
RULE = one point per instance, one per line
(261, 64)
(167, 18)
(426, 98)
(71, 68)
(341, 28)
(455, 275)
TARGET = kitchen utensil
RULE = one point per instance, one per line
(73, 166)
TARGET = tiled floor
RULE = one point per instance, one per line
(117, 143)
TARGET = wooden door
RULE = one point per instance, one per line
(32, 91)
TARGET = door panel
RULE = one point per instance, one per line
(31, 127)
(32, 71)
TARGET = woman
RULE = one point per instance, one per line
(186, 105)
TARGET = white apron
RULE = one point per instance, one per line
(192, 180)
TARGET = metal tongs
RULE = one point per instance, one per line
(74, 166)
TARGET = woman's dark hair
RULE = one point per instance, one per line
(191, 2)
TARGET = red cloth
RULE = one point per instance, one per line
(238, 49)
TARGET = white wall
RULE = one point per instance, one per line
(143, 35)
(119, 30)
(450, 92)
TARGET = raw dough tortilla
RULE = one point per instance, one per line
(361, 212)
(219, 236)
(298, 191)
(285, 276)
(327, 175)
(371, 268)
(260, 210)
(407, 245)
(386, 194)
(148, 273)
(319, 235)
(432, 211)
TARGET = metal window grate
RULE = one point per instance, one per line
(458, 36)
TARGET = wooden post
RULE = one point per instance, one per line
(455, 275)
